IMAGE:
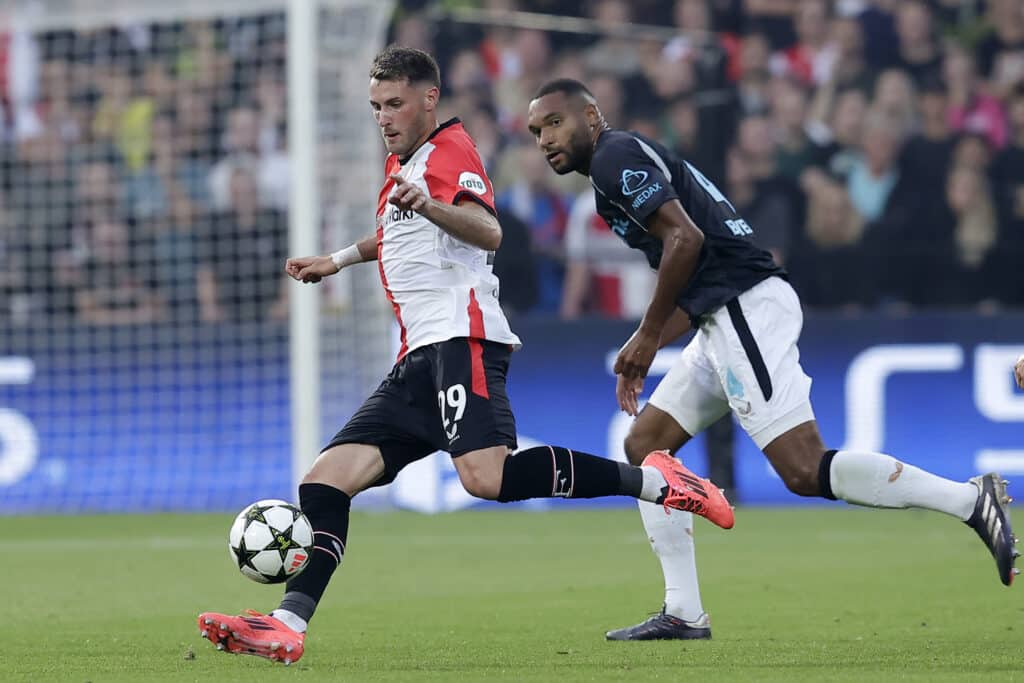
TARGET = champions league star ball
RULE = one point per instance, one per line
(271, 541)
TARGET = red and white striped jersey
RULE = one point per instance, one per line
(439, 286)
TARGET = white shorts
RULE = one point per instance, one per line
(744, 358)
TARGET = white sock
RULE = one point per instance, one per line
(290, 619)
(671, 537)
(882, 481)
(654, 482)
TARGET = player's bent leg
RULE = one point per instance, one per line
(559, 472)
(551, 472)
(480, 471)
(653, 430)
(796, 456)
(670, 533)
(879, 480)
(348, 467)
(325, 497)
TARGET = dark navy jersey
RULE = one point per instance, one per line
(634, 175)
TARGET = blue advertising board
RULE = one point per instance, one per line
(144, 425)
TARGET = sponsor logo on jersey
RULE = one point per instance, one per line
(395, 215)
(633, 181)
(472, 182)
(646, 194)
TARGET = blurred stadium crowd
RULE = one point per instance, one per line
(877, 148)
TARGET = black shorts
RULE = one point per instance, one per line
(449, 396)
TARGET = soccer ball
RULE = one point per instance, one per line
(271, 541)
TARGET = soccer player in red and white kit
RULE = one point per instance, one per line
(436, 234)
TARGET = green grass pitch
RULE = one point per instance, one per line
(834, 593)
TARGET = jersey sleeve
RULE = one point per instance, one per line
(631, 180)
(454, 172)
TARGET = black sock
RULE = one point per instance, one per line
(557, 472)
(825, 475)
(327, 509)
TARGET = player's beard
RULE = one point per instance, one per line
(578, 153)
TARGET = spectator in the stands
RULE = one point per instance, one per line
(851, 69)
(195, 143)
(755, 140)
(752, 86)
(895, 96)
(811, 59)
(920, 54)
(794, 150)
(114, 289)
(614, 54)
(828, 260)
(124, 116)
(769, 212)
(525, 64)
(250, 234)
(514, 266)
(972, 150)
(534, 200)
(1001, 53)
(874, 172)
(243, 149)
(972, 217)
(482, 125)
(927, 155)
(970, 108)
(837, 133)
(176, 255)
(1007, 172)
(467, 83)
(599, 278)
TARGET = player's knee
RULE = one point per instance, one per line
(481, 485)
(637, 446)
(801, 479)
(349, 467)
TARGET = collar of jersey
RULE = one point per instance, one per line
(402, 161)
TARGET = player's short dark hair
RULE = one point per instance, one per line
(396, 63)
(568, 86)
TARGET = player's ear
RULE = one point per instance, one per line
(592, 115)
(430, 98)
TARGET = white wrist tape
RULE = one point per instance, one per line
(346, 257)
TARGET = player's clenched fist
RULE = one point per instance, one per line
(1018, 370)
(310, 268)
(408, 196)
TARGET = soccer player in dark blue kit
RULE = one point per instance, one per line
(712, 275)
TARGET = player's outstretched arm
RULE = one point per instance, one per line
(315, 268)
(1018, 370)
(468, 221)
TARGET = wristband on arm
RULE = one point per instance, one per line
(346, 257)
